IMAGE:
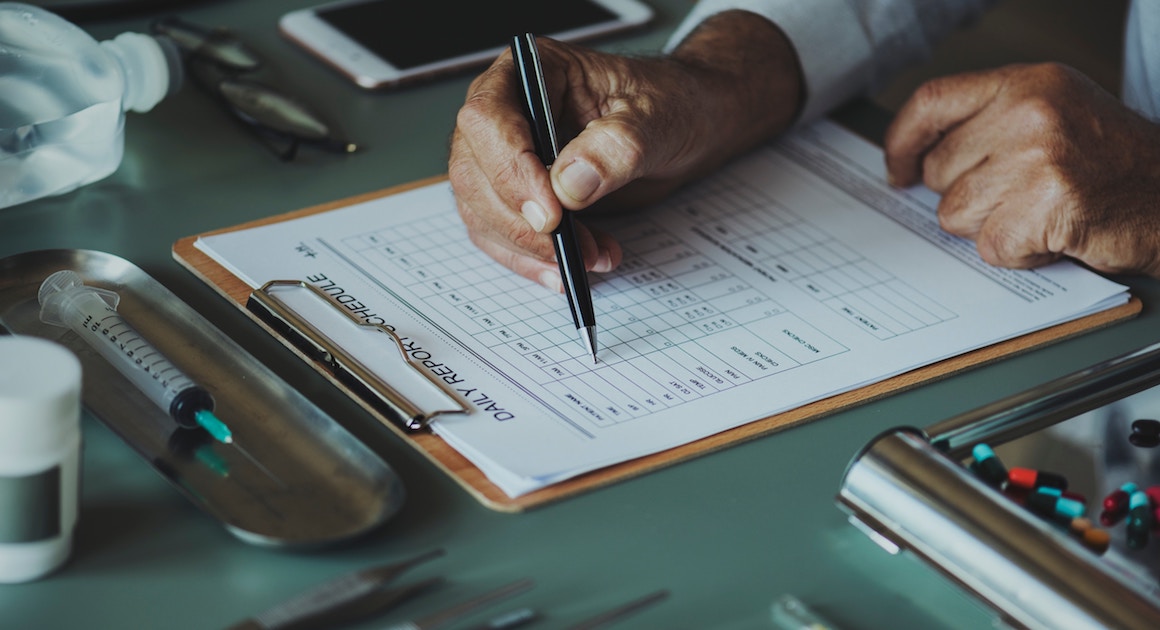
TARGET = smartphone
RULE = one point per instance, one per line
(386, 43)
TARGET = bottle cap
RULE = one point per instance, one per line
(151, 69)
(40, 385)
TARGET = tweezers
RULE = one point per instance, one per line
(343, 600)
(609, 617)
(454, 613)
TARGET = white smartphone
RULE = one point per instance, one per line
(385, 43)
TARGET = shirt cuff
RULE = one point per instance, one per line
(832, 47)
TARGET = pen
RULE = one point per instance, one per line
(535, 98)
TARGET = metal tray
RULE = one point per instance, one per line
(911, 490)
(293, 477)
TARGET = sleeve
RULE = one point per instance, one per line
(847, 47)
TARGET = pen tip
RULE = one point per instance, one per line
(588, 336)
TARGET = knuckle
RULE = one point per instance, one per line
(931, 94)
(1039, 114)
(474, 112)
(525, 238)
(625, 143)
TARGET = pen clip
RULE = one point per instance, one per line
(539, 111)
(347, 368)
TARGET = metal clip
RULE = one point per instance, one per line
(369, 384)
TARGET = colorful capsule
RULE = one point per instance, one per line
(1117, 501)
(1139, 520)
(1153, 493)
(1109, 519)
(1145, 433)
(1079, 525)
(987, 466)
(1054, 507)
(1098, 540)
(1067, 494)
(1028, 478)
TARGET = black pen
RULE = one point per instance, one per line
(539, 113)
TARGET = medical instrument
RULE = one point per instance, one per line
(344, 599)
(508, 620)
(456, 612)
(91, 312)
(613, 615)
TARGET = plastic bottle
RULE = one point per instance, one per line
(63, 96)
(40, 438)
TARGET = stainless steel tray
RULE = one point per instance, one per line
(911, 490)
(292, 477)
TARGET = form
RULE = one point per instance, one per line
(794, 274)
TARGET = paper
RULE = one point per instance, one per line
(792, 275)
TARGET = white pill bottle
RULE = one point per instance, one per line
(40, 443)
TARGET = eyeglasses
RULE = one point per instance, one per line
(219, 63)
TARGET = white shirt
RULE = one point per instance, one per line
(847, 47)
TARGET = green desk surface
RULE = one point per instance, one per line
(727, 533)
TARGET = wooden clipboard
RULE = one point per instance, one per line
(475, 482)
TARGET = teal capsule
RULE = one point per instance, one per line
(1139, 520)
(987, 466)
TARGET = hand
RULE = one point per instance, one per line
(1034, 162)
(642, 127)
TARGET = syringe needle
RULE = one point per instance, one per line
(214, 426)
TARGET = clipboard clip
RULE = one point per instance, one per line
(345, 368)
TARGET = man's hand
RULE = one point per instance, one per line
(1035, 162)
(638, 128)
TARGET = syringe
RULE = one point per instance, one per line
(91, 312)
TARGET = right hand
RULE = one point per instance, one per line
(642, 128)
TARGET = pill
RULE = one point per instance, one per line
(1080, 525)
(1097, 540)
(1117, 501)
(1067, 494)
(1153, 493)
(1139, 520)
(1028, 478)
(987, 466)
(1145, 433)
(1108, 519)
(1055, 508)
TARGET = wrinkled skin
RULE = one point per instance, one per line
(1034, 162)
(633, 129)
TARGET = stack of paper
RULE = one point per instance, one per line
(794, 274)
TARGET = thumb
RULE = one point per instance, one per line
(609, 153)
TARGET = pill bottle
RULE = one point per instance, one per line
(40, 443)
(63, 98)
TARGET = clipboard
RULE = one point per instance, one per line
(477, 484)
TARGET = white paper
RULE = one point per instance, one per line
(794, 274)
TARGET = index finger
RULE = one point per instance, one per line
(935, 108)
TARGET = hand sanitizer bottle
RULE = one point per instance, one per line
(63, 96)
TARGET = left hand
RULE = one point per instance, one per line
(1034, 162)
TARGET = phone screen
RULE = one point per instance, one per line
(411, 33)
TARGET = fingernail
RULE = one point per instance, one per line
(534, 214)
(603, 262)
(579, 180)
(551, 279)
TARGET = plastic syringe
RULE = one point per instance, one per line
(91, 312)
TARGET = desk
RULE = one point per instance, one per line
(727, 533)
